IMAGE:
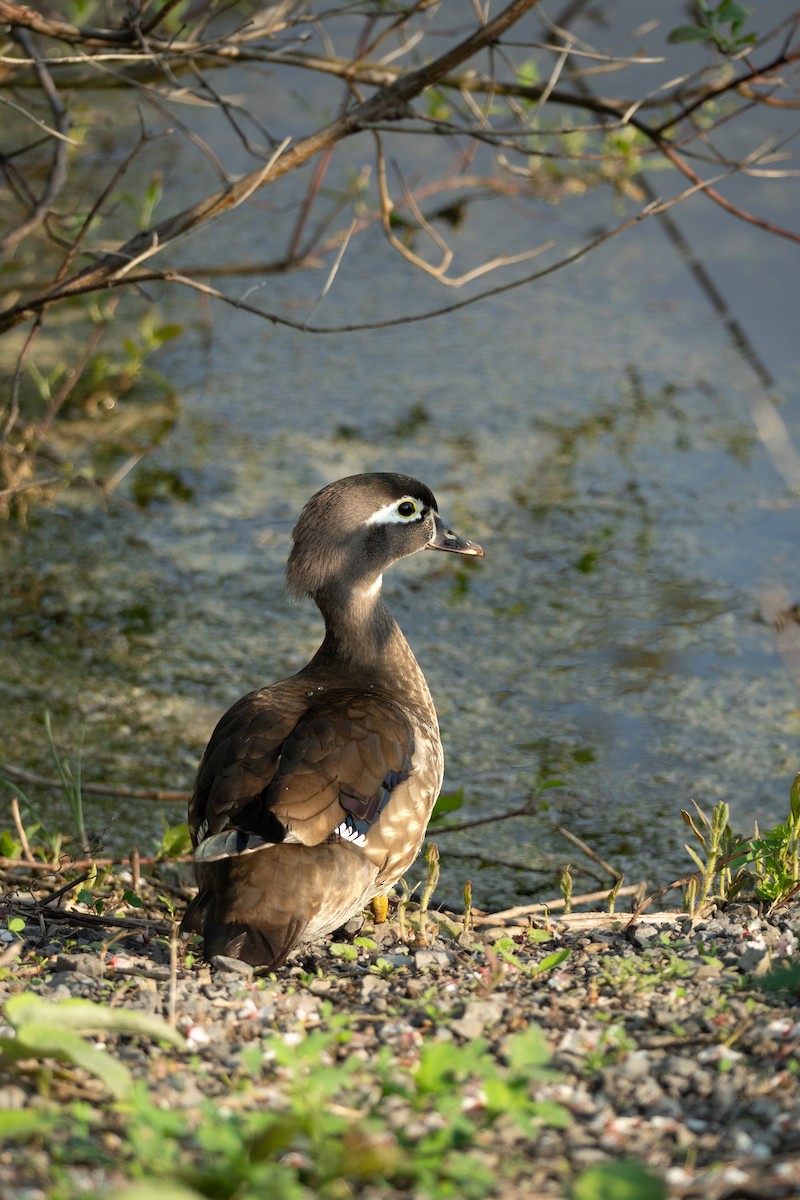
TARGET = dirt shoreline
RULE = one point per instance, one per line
(667, 1046)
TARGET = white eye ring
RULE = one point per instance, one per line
(390, 513)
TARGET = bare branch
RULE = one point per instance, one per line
(388, 104)
(58, 170)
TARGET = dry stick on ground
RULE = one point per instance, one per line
(35, 908)
(524, 910)
(61, 868)
(20, 828)
(96, 789)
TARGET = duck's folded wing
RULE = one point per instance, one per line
(239, 762)
(270, 776)
(339, 766)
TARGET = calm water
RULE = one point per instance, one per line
(594, 432)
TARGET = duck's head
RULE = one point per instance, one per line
(352, 530)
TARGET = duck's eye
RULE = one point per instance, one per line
(406, 508)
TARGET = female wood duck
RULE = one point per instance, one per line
(313, 794)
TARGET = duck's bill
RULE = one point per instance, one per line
(445, 539)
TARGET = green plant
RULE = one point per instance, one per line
(642, 973)
(773, 860)
(611, 899)
(565, 887)
(620, 1180)
(768, 865)
(175, 841)
(611, 1046)
(44, 1030)
(48, 844)
(446, 803)
(506, 948)
(10, 846)
(431, 880)
(70, 782)
(719, 844)
(709, 27)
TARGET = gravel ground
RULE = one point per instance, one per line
(667, 1045)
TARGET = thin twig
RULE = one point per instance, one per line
(172, 1003)
(588, 851)
(49, 897)
(523, 910)
(390, 103)
(95, 789)
(78, 918)
(61, 868)
(23, 837)
(136, 871)
(57, 174)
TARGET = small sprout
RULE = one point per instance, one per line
(537, 936)
(432, 861)
(402, 908)
(612, 895)
(382, 967)
(344, 950)
(565, 885)
(468, 905)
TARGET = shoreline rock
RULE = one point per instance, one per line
(665, 1046)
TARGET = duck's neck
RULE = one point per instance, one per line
(364, 642)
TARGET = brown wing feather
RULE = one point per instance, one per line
(337, 759)
(241, 758)
(273, 756)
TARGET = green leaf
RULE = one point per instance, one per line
(551, 1113)
(53, 1041)
(448, 802)
(50, 1041)
(344, 950)
(621, 1180)
(688, 33)
(84, 1016)
(19, 1124)
(794, 798)
(736, 14)
(554, 960)
(158, 1189)
(9, 846)
(781, 979)
(175, 841)
(527, 1052)
(439, 1066)
(528, 73)
(537, 936)
(165, 333)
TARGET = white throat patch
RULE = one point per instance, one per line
(388, 515)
